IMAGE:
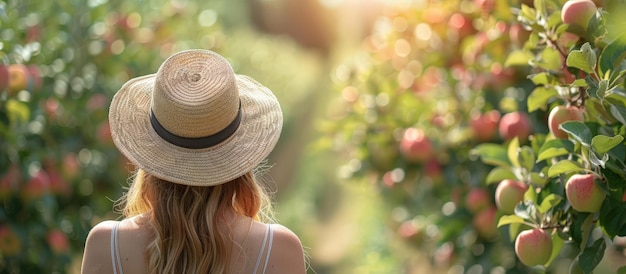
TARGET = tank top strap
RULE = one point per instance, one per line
(268, 238)
(269, 248)
(115, 250)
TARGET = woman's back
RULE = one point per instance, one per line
(196, 132)
(250, 244)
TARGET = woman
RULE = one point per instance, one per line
(195, 131)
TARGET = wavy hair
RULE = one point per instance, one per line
(191, 234)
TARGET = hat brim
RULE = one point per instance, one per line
(252, 142)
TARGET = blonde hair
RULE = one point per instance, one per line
(191, 234)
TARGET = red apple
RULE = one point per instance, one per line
(4, 77)
(410, 230)
(58, 184)
(97, 102)
(415, 145)
(518, 34)
(485, 5)
(485, 126)
(444, 255)
(533, 247)
(58, 242)
(577, 14)
(485, 223)
(10, 243)
(33, 33)
(51, 108)
(432, 169)
(515, 124)
(560, 114)
(37, 186)
(18, 78)
(392, 177)
(461, 24)
(508, 194)
(477, 200)
(584, 193)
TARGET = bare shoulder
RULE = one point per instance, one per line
(97, 254)
(285, 238)
(287, 252)
(100, 234)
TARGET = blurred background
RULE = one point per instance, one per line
(350, 75)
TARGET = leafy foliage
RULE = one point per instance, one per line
(439, 68)
(59, 170)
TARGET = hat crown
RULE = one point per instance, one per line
(195, 94)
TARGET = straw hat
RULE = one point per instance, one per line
(195, 122)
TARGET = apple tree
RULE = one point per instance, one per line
(493, 129)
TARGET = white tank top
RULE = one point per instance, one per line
(267, 242)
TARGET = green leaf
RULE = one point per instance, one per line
(498, 174)
(526, 157)
(578, 130)
(540, 5)
(549, 202)
(513, 151)
(564, 167)
(557, 245)
(492, 154)
(591, 256)
(510, 219)
(554, 20)
(579, 83)
(602, 144)
(583, 59)
(585, 230)
(527, 14)
(541, 78)
(539, 179)
(619, 112)
(539, 98)
(592, 84)
(550, 59)
(518, 58)
(514, 229)
(555, 148)
(621, 270)
(615, 179)
(577, 228)
(603, 86)
(612, 216)
(612, 55)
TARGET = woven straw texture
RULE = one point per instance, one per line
(195, 93)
